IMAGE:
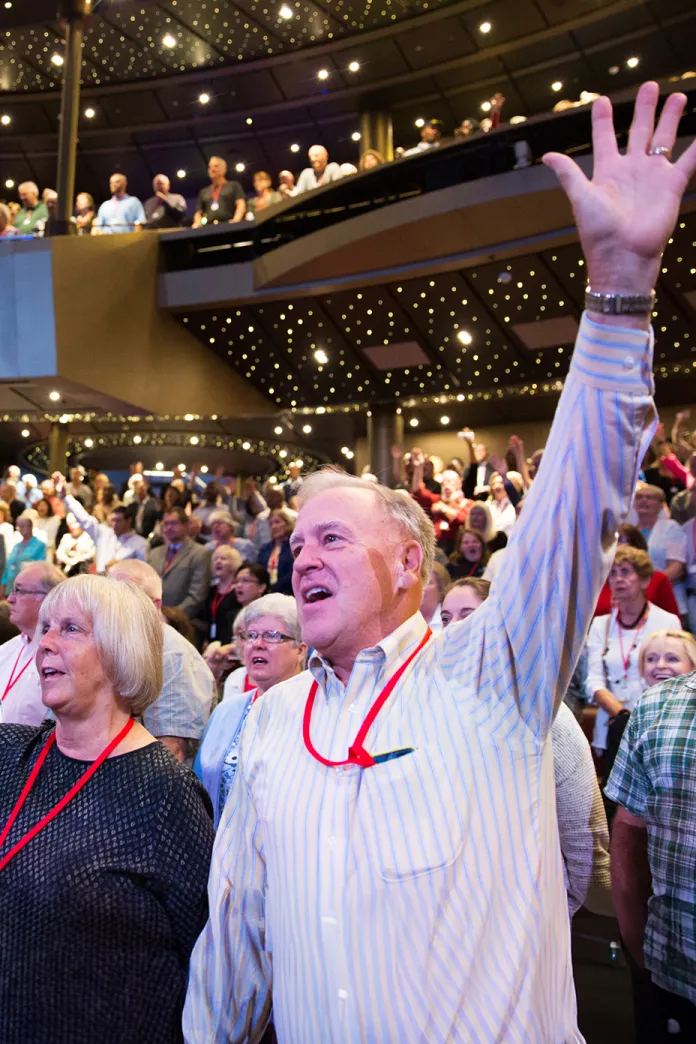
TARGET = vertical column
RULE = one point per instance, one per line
(57, 448)
(376, 133)
(384, 430)
(74, 12)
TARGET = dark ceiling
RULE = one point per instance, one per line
(443, 344)
(417, 58)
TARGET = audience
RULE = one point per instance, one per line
(6, 226)
(286, 183)
(183, 566)
(265, 196)
(276, 555)
(165, 209)
(85, 213)
(471, 556)
(430, 135)
(222, 528)
(115, 540)
(222, 200)
(659, 590)
(102, 908)
(218, 614)
(319, 172)
(76, 549)
(32, 218)
(666, 539)
(121, 213)
(27, 549)
(252, 581)
(502, 511)
(370, 159)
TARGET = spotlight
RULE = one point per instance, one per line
(169, 41)
(188, 417)
(9, 184)
(356, 135)
(204, 469)
(413, 422)
(299, 463)
(321, 357)
(283, 453)
(137, 439)
(464, 336)
(294, 147)
(514, 120)
(89, 443)
(345, 450)
(25, 433)
(57, 59)
(285, 12)
(159, 466)
(181, 173)
(194, 440)
(90, 114)
(239, 167)
(485, 27)
(557, 86)
(204, 98)
(278, 430)
(354, 66)
(444, 420)
(307, 429)
(323, 74)
(54, 396)
(5, 120)
(485, 106)
(420, 122)
(246, 445)
(249, 121)
(632, 62)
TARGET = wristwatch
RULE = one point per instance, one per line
(619, 304)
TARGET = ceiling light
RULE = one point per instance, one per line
(278, 430)
(613, 70)
(5, 119)
(307, 429)
(90, 114)
(444, 420)
(299, 463)
(181, 467)
(321, 357)
(354, 66)
(188, 417)
(169, 40)
(557, 85)
(57, 59)
(283, 453)
(464, 336)
(204, 98)
(632, 62)
(89, 443)
(181, 173)
(273, 480)
(295, 147)
(239, 167)
(517, 119)
(204, 469)
(420, 122)
(8, 4)
(246, 445)
(194, 440)
(64, 418)
(345, 450)
(54, 396)
(413, 422)
(485, 106)
(25, 433)
(356, 135)
(159, 466)
(9, 183)
(485, 27)
(323, 74)
(350, 454)
(285, 12)
(249, 121)
(137, 439)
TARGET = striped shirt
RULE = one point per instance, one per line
(422, 900)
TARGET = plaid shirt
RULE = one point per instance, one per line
(654, 777)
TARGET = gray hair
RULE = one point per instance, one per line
(127, 629)
(222, 516)
(142, 574)
(48, 575)
(227, 551)
(280, 605)
(408, 516)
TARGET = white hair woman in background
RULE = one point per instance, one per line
(106, 845)
(273, 652)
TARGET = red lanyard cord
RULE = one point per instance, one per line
(357, 755)
(74, 790)
(13, 681)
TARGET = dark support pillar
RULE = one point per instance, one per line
(376, 133)
(74, 12)
(57, 448)
(384, 430)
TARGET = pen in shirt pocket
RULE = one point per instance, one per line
(392, 755)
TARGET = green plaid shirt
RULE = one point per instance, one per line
(654, 777)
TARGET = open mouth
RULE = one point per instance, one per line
(50, 672)
(315, 594)
(259, 661)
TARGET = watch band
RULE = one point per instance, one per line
(619, 304)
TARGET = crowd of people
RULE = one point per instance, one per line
(379, 808)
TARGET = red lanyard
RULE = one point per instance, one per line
(626, 660)
(13, 681)
(357, 755)
(75, 789)
(216, 600)
(215, 192)
(250, 687)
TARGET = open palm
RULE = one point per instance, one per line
(627, 212)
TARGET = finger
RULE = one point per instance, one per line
(666, 131)
(641, 132)
(687, 162)
(567, 171)
(604, 143)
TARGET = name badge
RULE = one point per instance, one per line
(27, 221)
(213, 630)
(215, 205)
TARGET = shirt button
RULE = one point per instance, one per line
(629, 362)
(343, 994)
(339, 771)
(353, 708)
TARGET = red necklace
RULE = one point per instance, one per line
(57, 808)
(357, 755)
(626, 659)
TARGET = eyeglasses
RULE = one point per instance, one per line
(19, 591)
(269, 637)
(247, 580)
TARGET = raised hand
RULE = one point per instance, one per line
(626, 213)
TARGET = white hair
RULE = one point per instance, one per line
(408, 516)
(48, 575)
(489, 531)
(127, 631)
(29, 480)
(141, 574)
(280, 605)
(227, 551)
(222, 516)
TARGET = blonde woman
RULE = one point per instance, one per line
(666, 654)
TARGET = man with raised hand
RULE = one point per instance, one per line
(387, 865)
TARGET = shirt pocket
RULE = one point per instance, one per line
(411, 814)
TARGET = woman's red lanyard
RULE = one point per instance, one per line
(626, 660)
(357, 755)
(13, 681)
(45, 820)
(217, 599)
(474, 567)
(250, 687)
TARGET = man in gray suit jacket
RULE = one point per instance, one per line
(183, 565)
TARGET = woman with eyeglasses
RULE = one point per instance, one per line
(273, 652)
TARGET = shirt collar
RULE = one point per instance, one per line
(386, 657)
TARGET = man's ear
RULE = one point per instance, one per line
(410, 565)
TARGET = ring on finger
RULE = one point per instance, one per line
(660, 150)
